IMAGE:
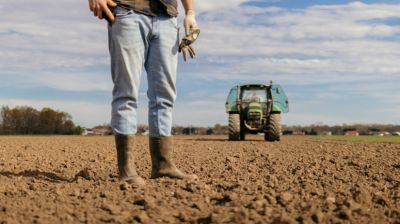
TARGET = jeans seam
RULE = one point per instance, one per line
(156, 97)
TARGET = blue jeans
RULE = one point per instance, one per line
(137, 40)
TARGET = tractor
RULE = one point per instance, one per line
(254, 109)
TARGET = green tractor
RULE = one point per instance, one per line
(256, 108)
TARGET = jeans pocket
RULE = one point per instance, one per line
(120, 11)
(174, 22)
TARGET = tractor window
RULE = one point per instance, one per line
(254, 95)
(232, 95)
(231, 104)
(280, 98)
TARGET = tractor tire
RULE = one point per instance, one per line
(273, 130)
(234, 127)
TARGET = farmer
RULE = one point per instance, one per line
(144, 33)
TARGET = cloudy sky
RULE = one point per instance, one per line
(338, 61)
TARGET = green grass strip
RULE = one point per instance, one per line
(386, 139)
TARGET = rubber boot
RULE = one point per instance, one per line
(126, 160)
(161, 151)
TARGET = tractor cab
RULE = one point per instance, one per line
(254, 104)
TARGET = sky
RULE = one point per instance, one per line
(338, 61)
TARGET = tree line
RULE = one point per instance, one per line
(24, 120)
(363, 129)
(314, 129)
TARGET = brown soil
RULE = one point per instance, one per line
(73, 180)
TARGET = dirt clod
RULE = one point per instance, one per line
(284, 219)
(142, 217)
(124, 186)
(285, 198)
(379, 199)
(317, 216)
(85, 173)
(344, 214)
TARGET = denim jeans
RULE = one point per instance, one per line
(137, 40)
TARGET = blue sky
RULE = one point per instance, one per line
(338, 61)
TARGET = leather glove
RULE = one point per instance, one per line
(101, 9)
(186, 44)
(192, 32)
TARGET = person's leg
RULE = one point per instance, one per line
(161, 66)
(128, 48)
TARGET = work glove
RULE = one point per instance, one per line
(192, 31)
(190, 21)
(101, 9)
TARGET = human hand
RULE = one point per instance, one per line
(186, 44)
(190, 21)
(101, 9)
(183, 48)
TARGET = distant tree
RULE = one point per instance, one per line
(28, 120)
(105, 126)
(363, 129)
(220, 129)
(189, 131)
(6, 120)
(24, 120)
(177, 130)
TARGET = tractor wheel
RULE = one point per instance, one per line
(234, 127)
(273, 130)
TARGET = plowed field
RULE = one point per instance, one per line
(298, 180)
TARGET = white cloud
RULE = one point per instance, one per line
(220, 5)
(76, 82)
(328, 40)
(50, 36)
(64, 81)
(335, 40)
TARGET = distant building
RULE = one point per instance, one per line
(189, 131)
(86, 131)
(352, 133)
(380, 133)
(96, 131)
(384, 133)
(325, 133)
(298, 133)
